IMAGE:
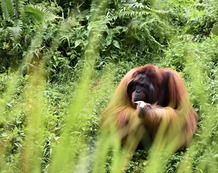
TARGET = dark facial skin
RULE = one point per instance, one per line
(140, 93)
(140, 89)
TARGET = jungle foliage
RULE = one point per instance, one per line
(61, 60)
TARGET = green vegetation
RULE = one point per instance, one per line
(60, 62)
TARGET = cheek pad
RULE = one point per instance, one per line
(130, 89)
(151, 94)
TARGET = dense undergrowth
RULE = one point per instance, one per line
(60, 62)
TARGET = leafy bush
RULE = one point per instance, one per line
(57, 75)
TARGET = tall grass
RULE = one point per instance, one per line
(71, 152)
(71, 139)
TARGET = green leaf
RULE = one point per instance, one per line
(7, 9)
(215, 29)
(38, 13)
(116, 44)
(77, 43)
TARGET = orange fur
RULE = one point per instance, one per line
(177, 118)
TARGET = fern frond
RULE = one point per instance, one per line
(7, 9)
(38, 13)
(15, 32)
